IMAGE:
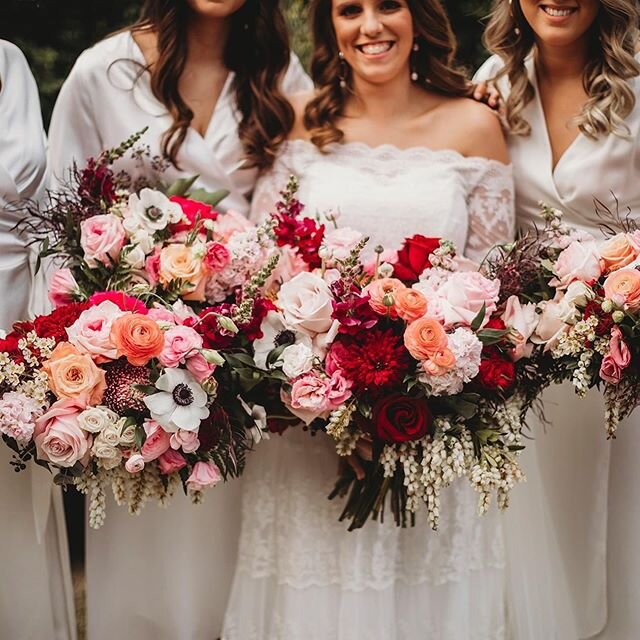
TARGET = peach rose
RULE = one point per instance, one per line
(74, 375)
(138, 338)
(410, 304)
(617, 252)
(440, 362)
(424, 338)
(384, 290)
(178, 261)
(623, 287)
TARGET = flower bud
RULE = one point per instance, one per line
(213, 357)
(135, 463)
(607, 306)
(385, 270)
(617, 316)
(227, 324)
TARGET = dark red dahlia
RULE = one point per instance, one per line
(605, 322)
(120, 395)
(96, 185)
(55, 324)
(374, 360)
(212, 427)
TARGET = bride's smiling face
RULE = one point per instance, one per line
(215, 8)
(375, 36)
(560, 22)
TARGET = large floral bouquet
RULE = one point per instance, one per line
(130, 381)
(407, 359)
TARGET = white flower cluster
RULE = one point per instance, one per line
(339, 420)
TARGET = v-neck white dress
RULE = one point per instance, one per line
(593, 486)
(166, 574)
(36, 598)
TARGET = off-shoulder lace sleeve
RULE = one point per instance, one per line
(491, 205)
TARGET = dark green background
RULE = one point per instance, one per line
(53, 32)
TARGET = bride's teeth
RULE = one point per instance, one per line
(557, 13)
(373, 49)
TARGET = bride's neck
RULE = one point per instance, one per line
(561, 62)
(206, 38)
(385, 102)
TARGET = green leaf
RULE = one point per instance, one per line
(492, 336)
(209, 197)
(181, 187)
(274, 355)
(479, 319)
(240, 361)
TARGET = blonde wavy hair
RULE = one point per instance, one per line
(612, 63)
(433, 64)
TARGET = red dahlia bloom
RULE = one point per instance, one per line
(497, 373)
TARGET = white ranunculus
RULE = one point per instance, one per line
(150, 211)
(297, 359)
(95, 419)
(306, 302)
(181, 402)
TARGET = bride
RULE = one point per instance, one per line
(391, 140)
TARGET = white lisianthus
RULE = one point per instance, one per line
(150, 211)
(297, 359)
(96, 419)
(136, 257)
(578, 294)
(181, 402)
(144, 240)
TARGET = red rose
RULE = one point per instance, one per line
(192, 210)
(400, 418)
(413, 258)
(496, 373)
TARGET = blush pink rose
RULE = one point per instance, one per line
(171, 461)
(309, 397)
(91, 332)
(158, 441)
(618, 348)
(556, 319)
(58, 437)
(522, 319)
(217, 257)
(204, 474)
(162, 316)
(186, 440)
(199, 367)
(339, 389)
(179, 343)
(228, 224)
(610, 371)
(341, 241)
(289, 265)
(61, 287)
(102, 238)
(307, 304)
(579, 261)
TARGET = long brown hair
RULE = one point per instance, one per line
(257, 50)
(613, 44)
(433, 64)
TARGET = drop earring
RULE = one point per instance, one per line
(343, 71)
(516, 28)
(414, 73)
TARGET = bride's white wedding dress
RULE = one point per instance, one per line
(300, 574)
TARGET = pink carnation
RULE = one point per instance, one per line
(217, 257)
(18, 414)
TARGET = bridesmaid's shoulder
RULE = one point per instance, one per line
(299, 102)
(11, 58)
(97, 59)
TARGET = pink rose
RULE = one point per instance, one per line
(522, 319)
(186, 440)
(158, 441)
(62, 286)
(102, 238)
(609, 371)
(58, 437)
(171, 461)
(307, 304)
(179, 343)
(199, 367)
(204, 474)
(618, 348)
(91, 332)
(152, 267)
(553, 321)
(341, 241)
(579, 261)
(458, 298)
(339, 390)
(135, 463)
(230, 223)
(121, 300)
(309, 397)
(217, 257)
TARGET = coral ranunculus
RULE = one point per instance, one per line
(400, 418)
(411, 304)
(413, 258)
(382, 294)
(137, 338)
(623, 286)
(424, 338)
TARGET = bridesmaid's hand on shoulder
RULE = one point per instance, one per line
(480, 131)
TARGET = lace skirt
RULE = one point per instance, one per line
(302, 576)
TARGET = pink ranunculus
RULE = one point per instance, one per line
(618, 348)
(458, 298)
(307, 304)
(341, 241)
(171, 461)
(135, 463)
(217, 257)
(339, 389)
(204, 474)
(228, 224)
(58, 436)
(121, 299)
(309, 397)
(102, 238)
(579, 261)
(179, 343)
(610, 371)
(162, 316)
(199, 367)
(152, 267)
(522, 319)
(158, 441)
(186, 440)
(91, 332)
(61, 287)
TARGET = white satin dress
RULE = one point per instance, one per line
(166, 574)
(300, 574)
(36, 597)
(592, 485)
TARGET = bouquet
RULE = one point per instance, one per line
(130, 380)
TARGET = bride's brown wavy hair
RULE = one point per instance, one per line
(257, 50)
(614, 42)
(433, 64)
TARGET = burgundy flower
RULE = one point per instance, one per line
(96, 184)
(400, 418)
(55, 324)
(497, 373)
(354, 313)
(304, 234)
(605, 321)
(121, 394)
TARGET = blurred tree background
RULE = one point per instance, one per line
(52, 33)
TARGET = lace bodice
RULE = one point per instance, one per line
(390, 193)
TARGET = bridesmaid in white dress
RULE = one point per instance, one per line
(390, 140)
(571, 91)
(212, 74)
(36, 597)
